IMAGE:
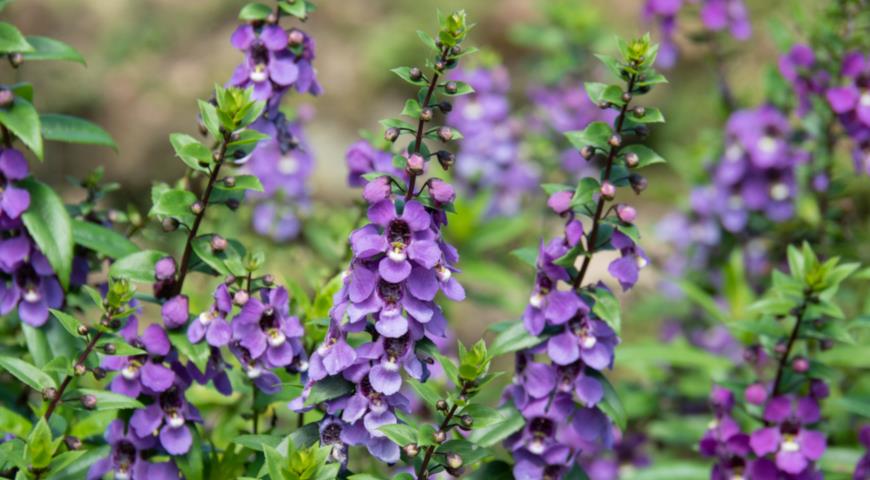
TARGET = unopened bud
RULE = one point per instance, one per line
(626, 97)
(445, 106)
(604, 105)
(455, 50)
(169, 224)
(16, 59)
(440, 436)
(49, 394)
(268, 279)
(241, 297)
(586, 152)
(411, 450)
(230, 182)
(218, 243)
(446, 159)
(80, 369)
(626, 213)
(233, 203)
(440, 66)
(426, 114)
(72, 443)
(445, 134)
(6, 97)
(415, 74)
(638, 183)
(467, 421)
(99, 373)
(615, 140)
(89, 401)
(441, 405)
(451, 87)
(196, 208)
(295, 37)
(800, 364)
(82, 330)
(608, 191)
(391, 134)
(109, 348)
(780, 348)
(827, 344)
(454, 460)
(415, 164)
(631, 160)
(639, 111)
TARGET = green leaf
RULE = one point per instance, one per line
(191, 464)
(227, 262)
(495, 433)
(23, 120)
(23, 89)
(256, 442)
(254, 11)
(412, 108)
(27, 373)
(45, 48)
(296, 8)
(405, 74)
(610, 404)
(327, 389)
(65, 128)
(138, 267)
(274, 460)
(191, 151)
(12, 41)
(596, 134)
(197, 353)
(37, 345)
(513, 339)
(462, 88)
(607, 308)
(175, 203)
(49, 224)
(399, 433)
(63, 461)
(428, 40)
(528, 255)
(856, 405)
(586, 189)
(243, 182)
(483, 415)
(122, 348)
(102, 239)
(424, 391)
(107, 400)
(209, 116)
(40, 445)
(645, 155)
(601, 92)
(650, 115)
(68, 322)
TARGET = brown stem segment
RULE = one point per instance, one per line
(203, 200)
(599, 209)
(68, 379)
(783, 361)
(418, 138)
(430, 450)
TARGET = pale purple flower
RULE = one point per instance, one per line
(362, 158)
(168, 416)
(126, 460)
(27, 281)
(14, 200)
(265, 328)
(211, 324)
(146, 373)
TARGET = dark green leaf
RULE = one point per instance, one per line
(102, 239)
(513, 339)
(227, 262)
(49, 224)
(107, 400)
(27, 373)
(63, 461)
(607, 308)
(646, 156)
(45, 48)
(327, 389)
(69, 323)
(22, 120)
(197, 353)
(37, 344)
(138, 267)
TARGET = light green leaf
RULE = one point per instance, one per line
(645, 155)
(12, 41)
(45, 48)
(138, 267)
(27, 373)
(254, 11)
(23, 120)
(65, 128)
(513, 339)
(69, 323)
(107, 400)
(102, 239)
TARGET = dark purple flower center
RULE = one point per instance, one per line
(125, 455)
(398, 231)
(391, 293)
(396, 347)
(331, 434)
(259, 53)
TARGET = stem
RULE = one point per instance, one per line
(68, 379)
(254, 408)
(596, 219)
(418, 140)
(423, 474)
(203, 200)
(725, 93)
(780, 369)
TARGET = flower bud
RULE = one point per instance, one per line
(755, 394)
(233, 204)
(49, 394)
(800, 364)
(109, 348)
(391, 134)
(608, 191)
(89, 401)
(197, 207)
(560, 202)
(827, 344)
(631, 160)
(6, 97)
(626, 97)
(295, 37)
(440, 436)
(455, 50)
(218, 243)
(626, 213)
(16, 59)
(467, 421)
(586, 152)
(377, 190)
(615, 140)
(415, 164)
(440, 66)
(641, 130)
(82, 330)
(779, 348)
(441, 191)
(80, 369)
(604, 105)
(445, 106)
(441, 405)
(454, 460)
(638, 183)
(72, 443)
(451, 87)
(99, 373)
(445, 159)
(411, 450)
(229, 182)
(426, 114)
(415, 74)
(169, 224)
(268, 280)
(639, 111)
(241, 298)
(445, 134)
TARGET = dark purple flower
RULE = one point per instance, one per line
(27, 281)
(14, 200)
(141, 373)
(125, 459)
(862, 469)
(167, 416)
(794, 447)
(266, 329)
(211, 324)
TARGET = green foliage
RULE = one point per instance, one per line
(49, 224)
(21, 119)
(45, 48)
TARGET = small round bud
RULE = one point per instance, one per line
(626, 213)
(216, 156)
(197, 207)
(426, 114)
(415, 164)
(241, 297)
(391, 134)
(441, 405)
(49, 394)
(445, 106)
(82, 330)
(631, 160)
(110, 348)
(89, 401)
(115, 324)
(638, 183)
(268, 279)
(295, 37)
(454, 460)
(440, 66)
(218, 243)
(459, 472)
(800, 364)
(451, 87)
(16, 59)
(827, 344)
(639, 111)
(6, 97)
(440, 436)
(230, 182)
(230, 279)
(608, 190)
(641, 130)
(779, 348)
(446, 159)
(169, 224)
(467, 421)
(415, 74)
(411, 450)
(615, 140)
(80, 369)
(99, 373)
(72, 443)
(604, 105)
(755, 394)
(586, 152)
(626, 97)
(233, 204)
(445, 134)
(456, 50)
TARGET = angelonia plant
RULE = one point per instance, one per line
(567, 404)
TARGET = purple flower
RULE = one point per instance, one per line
(144, 373)
(211, 324)
(853, 99)
(256, 369)
(125, 458)
(167, 416)
(632, 259)
(794, 447)
(862, 468)
(27, 281)
(215, 371)
(362, 158)
(13, 199)
(266, 329)
(175, 312)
